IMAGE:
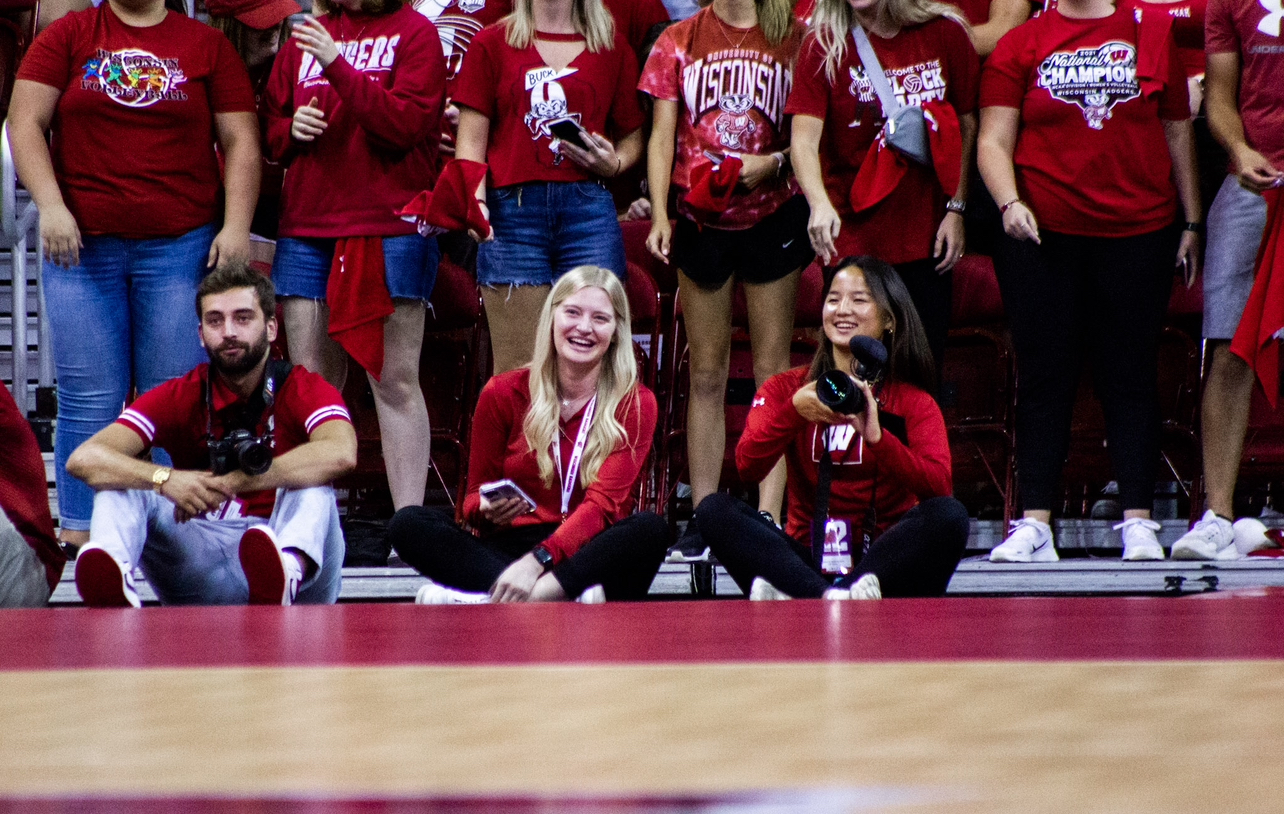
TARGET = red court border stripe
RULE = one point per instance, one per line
(1021, 629)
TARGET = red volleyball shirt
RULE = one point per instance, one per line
(173, 416)
(457, 22)
(935, 61)
(731, 85)
(522, 97)
(382, 100)
(634, 19)
(133, 132)
(1091, 157)
(499, 450)
(1254, 31)
(1188, 29)
(897, 475)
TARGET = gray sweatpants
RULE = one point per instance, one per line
(23, 583)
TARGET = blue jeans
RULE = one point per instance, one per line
(301, 267)
(124, 318)
(543, 230)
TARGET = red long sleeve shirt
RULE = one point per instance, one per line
(499, 451)
(382, 100)
(906, 473)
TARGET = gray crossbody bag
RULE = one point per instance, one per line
(905, 128)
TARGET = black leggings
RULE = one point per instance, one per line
(1105, 296)
(932, 293)
(915, 557)
(623, 559)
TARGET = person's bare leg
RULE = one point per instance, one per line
(707, 318)
(400, 405)
(1227, 397)
(512, 313)
(306, 325)
(771, 328)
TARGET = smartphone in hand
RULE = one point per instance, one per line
(505, 490)
(569, 131)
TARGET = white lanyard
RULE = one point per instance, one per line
(573, 466)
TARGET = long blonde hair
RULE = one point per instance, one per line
(590, 18)
(617, 381)
(833, 20)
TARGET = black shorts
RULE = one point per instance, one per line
(763, 253)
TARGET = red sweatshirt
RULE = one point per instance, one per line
(382, 99)
(499, 451)
(906, 474)
(24, 496)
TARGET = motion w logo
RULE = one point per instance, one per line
(1270, 24)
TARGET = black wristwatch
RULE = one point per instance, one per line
(543, 556)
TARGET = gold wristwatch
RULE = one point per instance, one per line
(160, 477)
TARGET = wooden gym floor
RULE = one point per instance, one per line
(952, 705)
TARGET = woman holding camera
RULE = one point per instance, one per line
(881, 476)
(570, 432)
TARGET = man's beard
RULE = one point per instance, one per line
(253, 354)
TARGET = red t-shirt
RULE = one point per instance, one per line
(930, 62)
(133, 133)
(458, 21)
(499, 451)
(731, 85)
(1247, 28)
(906, 474)
(173, 415)
(24, 493)
(634, 19)
(1091, 157)
(1188, 29)
(382, 99)
(522, 97)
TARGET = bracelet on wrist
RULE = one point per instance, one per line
(1003, 210)
(1192, 226)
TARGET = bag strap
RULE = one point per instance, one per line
(820, 514)
(874, 70)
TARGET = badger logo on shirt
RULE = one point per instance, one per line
(913, 85)
(133, 77)
(455, 30)
(751, 76)
(861, 87)
(1094, 79)
(735, 125)
(548, 106)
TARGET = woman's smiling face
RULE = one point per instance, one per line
(850, 309)
(583, 326)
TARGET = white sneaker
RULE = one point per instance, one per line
(867, 587)
(1250, 536)
(764, 591)
(593, 595)
(1212, 538)
(1028, 541)
(433, 594)
(1140, 542)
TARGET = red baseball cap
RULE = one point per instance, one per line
(260, 14)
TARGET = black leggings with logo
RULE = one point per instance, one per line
(915, 557)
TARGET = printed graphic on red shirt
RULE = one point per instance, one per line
(846, 446)
(1270, 24)
(735, 82)
(134, 77)
(914, 85)
(548, 107)
(1095, 79)
(369, 55)
(458, 21)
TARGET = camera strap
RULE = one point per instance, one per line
(820, 517)
(278, 370)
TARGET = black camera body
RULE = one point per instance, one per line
(242, 450)
(838, 392)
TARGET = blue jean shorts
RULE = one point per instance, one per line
(301, 267)
(545, 229)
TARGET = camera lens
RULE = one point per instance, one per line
(255, 456)
(838, 392)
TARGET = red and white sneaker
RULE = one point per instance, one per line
(273, 576)
(103, 582)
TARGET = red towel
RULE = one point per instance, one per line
(1153, 32)
(357, 294)
(451, 205)
(1255, 341)
(712, 186)
(883, 167)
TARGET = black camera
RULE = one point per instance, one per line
(241, 450)
(838, 392)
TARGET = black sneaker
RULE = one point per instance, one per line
(689, 548)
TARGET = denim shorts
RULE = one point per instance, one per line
(545, 229)
(1236, 224)
(301, 267)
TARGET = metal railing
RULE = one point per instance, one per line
(18, 227)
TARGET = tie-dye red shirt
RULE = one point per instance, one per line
(731, 86)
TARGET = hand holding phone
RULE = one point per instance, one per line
(569, 131)
(504, 501)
